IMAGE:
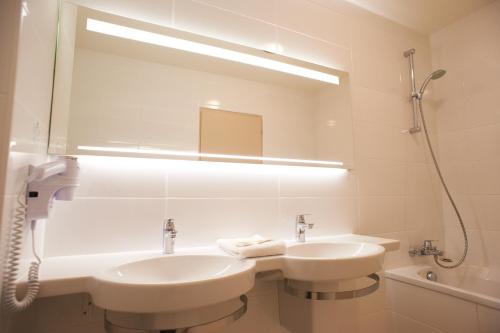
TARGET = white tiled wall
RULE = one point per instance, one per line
(128, 199)
(391, 176)
(31, 97)
(8, 38)
(468, 121)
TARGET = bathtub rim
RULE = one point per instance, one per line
(409, 275)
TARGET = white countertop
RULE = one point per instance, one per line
(70, 274)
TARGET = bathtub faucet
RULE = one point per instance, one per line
(426, 250)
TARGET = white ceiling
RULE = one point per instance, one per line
(426, 16)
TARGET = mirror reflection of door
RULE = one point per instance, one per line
(230, 133)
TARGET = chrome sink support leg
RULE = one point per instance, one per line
(211, 326)
(333, 295)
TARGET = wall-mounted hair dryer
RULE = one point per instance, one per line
(55, 180)
(45, 182)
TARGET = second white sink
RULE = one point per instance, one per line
(332, 261)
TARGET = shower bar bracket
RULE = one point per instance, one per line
(414, 94)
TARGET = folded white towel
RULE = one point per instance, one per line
(255, 246)
(255, 239)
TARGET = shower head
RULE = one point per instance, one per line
(433, 76)
(438, 74)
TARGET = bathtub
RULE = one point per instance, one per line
(466, 299)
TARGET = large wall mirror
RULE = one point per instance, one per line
(129, 88)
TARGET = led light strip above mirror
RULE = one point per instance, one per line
(173, 153)
(121, 31)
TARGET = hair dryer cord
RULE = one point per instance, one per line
(10, 300)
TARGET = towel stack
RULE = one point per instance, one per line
(255, 246)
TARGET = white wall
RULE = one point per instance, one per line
(468, 120)
(9, 25)
(388, 188)
(30, 96)
(127, 198)
(121, 203)
(31, 100)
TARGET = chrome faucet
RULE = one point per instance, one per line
(301, 226)
(169, 234)
(427, 249)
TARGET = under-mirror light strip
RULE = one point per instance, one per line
(199, 48)
(161, 152)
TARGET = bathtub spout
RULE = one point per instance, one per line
(427, 249)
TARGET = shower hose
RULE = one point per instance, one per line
(10, 300)
(441, 178)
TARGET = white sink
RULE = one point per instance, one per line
(332, 261)
(172, 283)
